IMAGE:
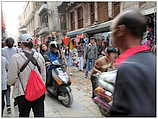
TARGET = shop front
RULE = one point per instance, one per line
(150, 35)
(99, 31)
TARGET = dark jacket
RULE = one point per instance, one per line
(91, 52)
(135, 87)
(80, 50)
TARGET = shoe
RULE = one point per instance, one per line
(85, 77)
(15, 103)
(8, 110)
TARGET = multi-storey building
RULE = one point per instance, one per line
(95, 17)
(82, 15)
(41, 20)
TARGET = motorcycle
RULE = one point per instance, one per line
(58, 83)
(103, 93)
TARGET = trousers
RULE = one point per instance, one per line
(25, 106)
(3, 101)
(8, 96)
(89, 65)
(80, 59)
(94, 82)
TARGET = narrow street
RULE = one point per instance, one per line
(115, 39)
(82, 105)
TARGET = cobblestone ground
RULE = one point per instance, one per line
(82, 106)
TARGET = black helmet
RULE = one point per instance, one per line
(111, 50)
(9, 42)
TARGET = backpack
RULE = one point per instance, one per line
(35, 87)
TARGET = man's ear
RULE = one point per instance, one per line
(122, 30)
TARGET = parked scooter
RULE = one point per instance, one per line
(58, 84)
(103, 93)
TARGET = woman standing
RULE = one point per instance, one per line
(68, 56)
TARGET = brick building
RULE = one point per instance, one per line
(95, 18)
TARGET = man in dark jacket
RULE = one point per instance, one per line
(90, 55)
(135, 85)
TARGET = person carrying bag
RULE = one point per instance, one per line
(27, 73)
(35, 88)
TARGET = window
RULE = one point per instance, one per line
(63, 21)
(102, 11)
(80, 17)
(92, 12)
(141, 3)
(72, 17)
(44, 20)
(115, 8)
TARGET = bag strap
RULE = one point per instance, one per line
(32, 59)
(21, 82)
(22, 69)
(29, 58)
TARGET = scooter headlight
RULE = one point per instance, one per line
(64, 77)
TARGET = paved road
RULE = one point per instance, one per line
(82, 106)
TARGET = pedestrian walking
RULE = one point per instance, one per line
(19, 47)
(80, 50)
(44, 52)
(104, 47)
(8, 52)
(68, 56)
(20, 78)
(135, 86)
(3, 44)
(36, 48)
(90, 55)
(4, 68)
(86, 40)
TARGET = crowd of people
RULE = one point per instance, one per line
(135, 78)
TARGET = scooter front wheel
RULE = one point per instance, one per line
(66, 98)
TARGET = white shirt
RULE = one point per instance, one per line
(4, 68)
(16, 63)
(9, 52)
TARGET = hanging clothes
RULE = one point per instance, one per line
(71, 45)
(66, 40)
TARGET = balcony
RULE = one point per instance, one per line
(43, 8)
(44, 29)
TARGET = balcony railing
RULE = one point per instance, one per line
(44, 29)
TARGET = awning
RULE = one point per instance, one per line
(149, 11)
(76, 32)
(103, 27)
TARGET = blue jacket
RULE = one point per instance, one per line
(53, 56)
